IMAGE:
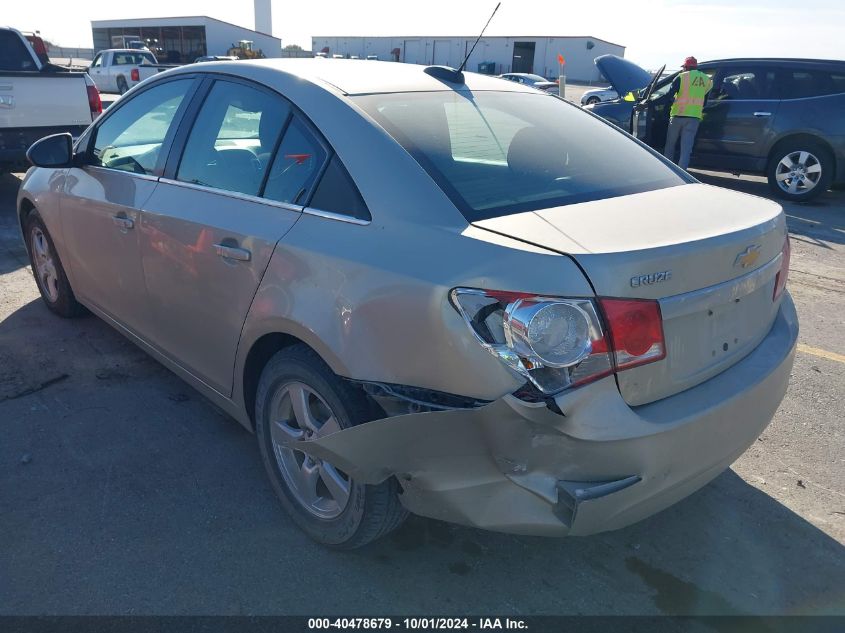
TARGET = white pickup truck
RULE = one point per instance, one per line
(118, 69)
(38, 99)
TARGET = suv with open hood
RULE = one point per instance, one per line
(781, 118)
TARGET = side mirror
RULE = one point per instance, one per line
(54, 151)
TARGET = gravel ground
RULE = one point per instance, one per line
(122, 491)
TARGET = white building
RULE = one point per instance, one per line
(182, 40)
(537, 55)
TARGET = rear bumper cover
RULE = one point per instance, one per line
(514, 467)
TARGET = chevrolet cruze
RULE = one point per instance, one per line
(424, 291)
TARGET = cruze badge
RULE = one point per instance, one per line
(747, 257)
(651, 278)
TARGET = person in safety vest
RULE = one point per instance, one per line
(690, 89)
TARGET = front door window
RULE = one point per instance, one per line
(132, 137)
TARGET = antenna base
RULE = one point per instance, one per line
(445, 73)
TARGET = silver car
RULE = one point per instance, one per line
(597, 95)
(535, 81)
(424, 291)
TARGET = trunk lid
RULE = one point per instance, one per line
(623, 75)
(709, 256)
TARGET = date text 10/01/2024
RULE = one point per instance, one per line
(422, 623)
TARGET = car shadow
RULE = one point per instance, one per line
(818, 222)
(12, 251)
(729, 549)
(125, 491)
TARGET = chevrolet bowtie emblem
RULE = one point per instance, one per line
(747, 257)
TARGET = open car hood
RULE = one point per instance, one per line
(623, 75)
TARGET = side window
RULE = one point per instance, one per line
(739, 84)
(130, 139)
(233, 138)
(14, 55)
(837, 81)
(337, 193)
(799, 84)
(98, 61)
(296, 166)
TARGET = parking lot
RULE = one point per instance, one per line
(123, 491)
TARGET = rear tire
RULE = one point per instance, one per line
(329, 506)
(122, 88)
(799, 170)
(48, 271)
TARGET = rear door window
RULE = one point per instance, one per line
(801, 84)
(14, 55)
(130, 139)
(297, 165)
(233, 137)
(338, 194)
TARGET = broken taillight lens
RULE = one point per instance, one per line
(560, 342)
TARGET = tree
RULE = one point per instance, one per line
(293, 47)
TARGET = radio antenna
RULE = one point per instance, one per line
(466, 59)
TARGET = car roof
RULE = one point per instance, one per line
(775, 61)
(359, 76)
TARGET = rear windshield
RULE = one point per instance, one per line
(14, 55)
(133, 59)
(498, 153)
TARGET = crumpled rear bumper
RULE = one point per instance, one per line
(515, 467)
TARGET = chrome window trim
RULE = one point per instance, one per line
(233, 194)
(331, 215)
(111, 170)
(697, 300)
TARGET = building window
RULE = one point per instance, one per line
(193, 43)
(170, 44)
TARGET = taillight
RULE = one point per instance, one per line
(135, 75)
(559, 342)
(94, 102)
(636, 331)
(783, 273)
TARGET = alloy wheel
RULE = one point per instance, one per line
(798, 172)
(45, 266)
(300, 413)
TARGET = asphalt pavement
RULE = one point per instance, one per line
(123, 491)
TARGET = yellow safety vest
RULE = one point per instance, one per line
(689, 100)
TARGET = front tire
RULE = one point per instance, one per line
(800, 170)
(299, 397)
(593, 101)
(47, 268)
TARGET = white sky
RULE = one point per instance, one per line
(654, 31)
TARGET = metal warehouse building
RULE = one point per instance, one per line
(182, 40)
(537, 55)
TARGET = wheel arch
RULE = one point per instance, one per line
(262, 348)
(25, 206)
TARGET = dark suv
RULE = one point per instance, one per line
(782, 118)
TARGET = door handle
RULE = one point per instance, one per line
(762, 114)
(123, 222)
(233, 252)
